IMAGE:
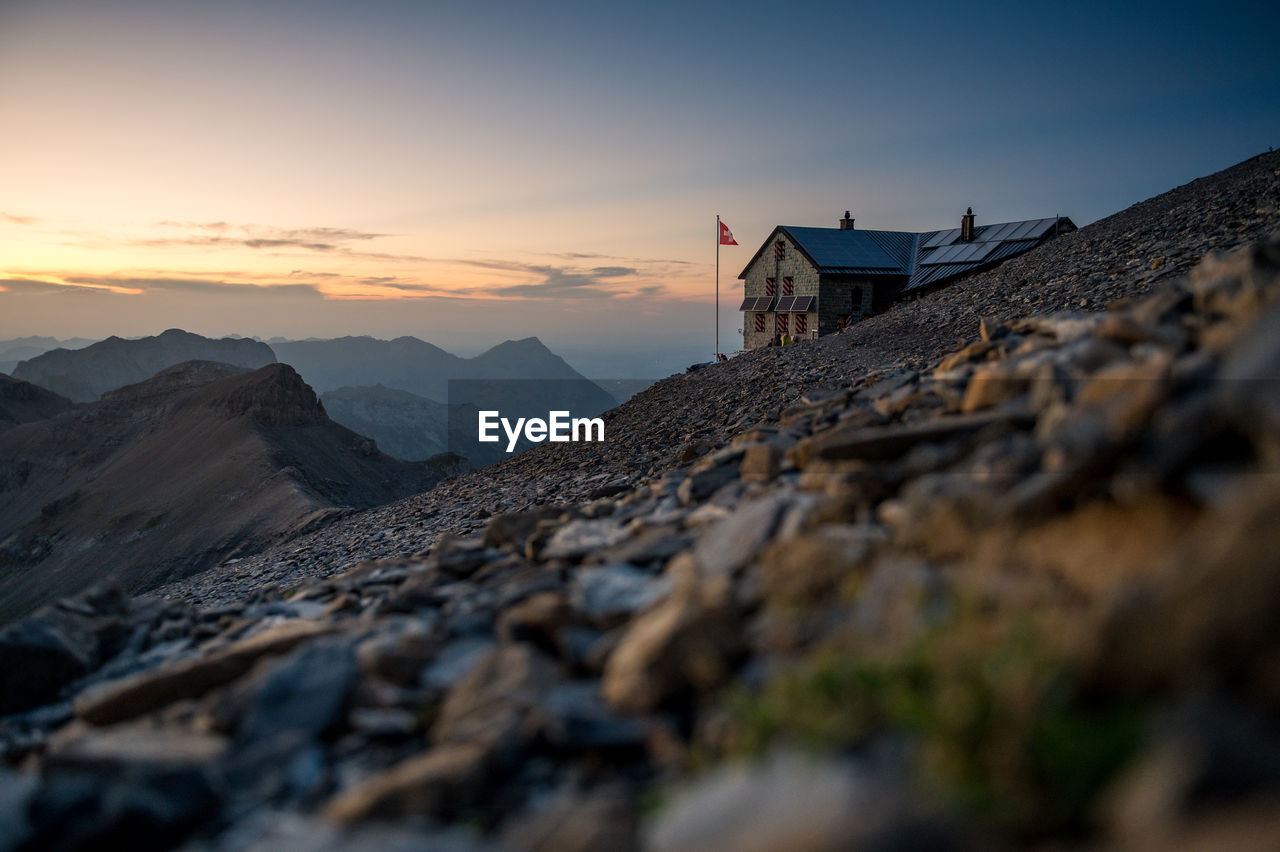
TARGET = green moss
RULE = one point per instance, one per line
(999, 724)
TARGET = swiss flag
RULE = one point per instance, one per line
(726, 236)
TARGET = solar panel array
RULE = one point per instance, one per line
(958, 253)
(756, 303)
(942, 238)
(1032, 229)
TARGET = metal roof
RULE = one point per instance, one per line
(832, 247)
(899, 245)
(923, 259)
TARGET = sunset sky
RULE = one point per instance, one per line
(471, 172)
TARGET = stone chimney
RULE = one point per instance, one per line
(966, 226)
(846, 224)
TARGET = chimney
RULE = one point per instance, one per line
(966, 226)
(846, 224)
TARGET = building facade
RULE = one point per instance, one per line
(809, 282)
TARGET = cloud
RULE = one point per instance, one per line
(19, 220)
(205, 286)
(34, 286)
(586, 255)
(563, 282)
(324, 240)
(613, 271)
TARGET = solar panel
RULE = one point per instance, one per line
(942, 238)
(748, 304)
(802, 304)
(763, 303)
(959, 253)
(991, 233)
(784, 304)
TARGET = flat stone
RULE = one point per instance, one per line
(738, 538)
(761, 463)
(125, 699)
(537, 619)
(455, 661)
(578, 538)
(809, 567)
(703, 484)
(678, 647)
(302, 694)
(435, 783)
(492, 703)
(878, 443)
(611, 594)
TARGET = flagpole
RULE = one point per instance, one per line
(717, 286)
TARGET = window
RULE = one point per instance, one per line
(770, 286)
(782, 323)
(802, 320)
(779, 250)
(760, 323)
(788, 286)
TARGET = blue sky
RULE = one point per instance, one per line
(493, 170)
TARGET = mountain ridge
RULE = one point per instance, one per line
(83, 375)
(198, 463)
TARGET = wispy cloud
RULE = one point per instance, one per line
(558, 282)
(165, 284)
(40, 287)
(19, 220)
(324, 240)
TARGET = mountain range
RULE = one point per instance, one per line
(198, 464)
(394, 391)
(83, 375)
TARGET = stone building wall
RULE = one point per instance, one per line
(793, 264)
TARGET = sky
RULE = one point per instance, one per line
(473, 172)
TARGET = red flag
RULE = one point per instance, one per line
(726, 236)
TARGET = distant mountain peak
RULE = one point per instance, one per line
(273, 394)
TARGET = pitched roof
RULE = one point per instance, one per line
(923, 259)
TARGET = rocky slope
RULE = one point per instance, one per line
(1022, 592)
(22, 402)
(712, 404)
(195, 465)
(83, 375)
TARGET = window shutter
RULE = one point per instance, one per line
(788, 286)
(782, 323)
(771, 286)
(779, 250)
(801, 323)
(759, 322)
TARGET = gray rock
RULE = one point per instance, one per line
(303, 694)
(36, 661)
(736, 540)
(611, 594)
(578, 538)
(788, 802)
(455, 661)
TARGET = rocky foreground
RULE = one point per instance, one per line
(1024, 592)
